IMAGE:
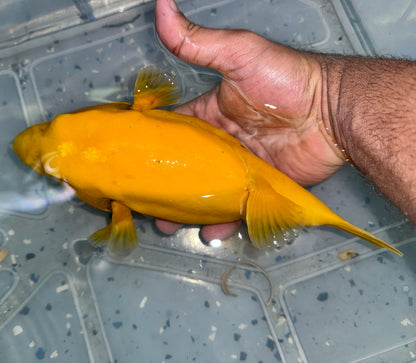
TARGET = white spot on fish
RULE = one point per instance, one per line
(143, 302)
(13, 259)
(71, 209)
(293, 292)
(68, 325)
(412, 355)
(17, 330)
(406, 322)
(65, 245)
(290, 340)
(68, 316)
(347, 268)
(62, 288)
(54, 354)
(11, 232)
(242, 326)
(218, 303)
(32, 344)
(233, 356)
(27, 241)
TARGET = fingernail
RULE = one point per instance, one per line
(173, 6)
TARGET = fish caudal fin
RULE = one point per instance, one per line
(350, 228)
(120, 234)
(154, 89)
(271, 217)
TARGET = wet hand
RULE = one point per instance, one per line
(271, 98)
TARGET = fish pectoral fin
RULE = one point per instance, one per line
(101, 236)
(120, 234)
(154, 89)
(271, 218)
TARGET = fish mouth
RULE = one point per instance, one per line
(27, 145)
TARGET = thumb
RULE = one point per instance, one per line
(193, 43)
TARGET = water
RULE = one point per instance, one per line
(61, 299)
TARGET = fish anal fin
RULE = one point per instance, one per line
(154, 89)
(271, 218)
(120, 234)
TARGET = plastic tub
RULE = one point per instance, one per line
(63, 301)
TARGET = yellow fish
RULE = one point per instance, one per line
(120, 157)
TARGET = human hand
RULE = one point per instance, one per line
(271, 98)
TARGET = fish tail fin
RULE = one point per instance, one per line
(120, 234)
(271, 217)
(154, 89)
(345, 226)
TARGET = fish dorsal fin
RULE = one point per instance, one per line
(154, 89)
(271, 217)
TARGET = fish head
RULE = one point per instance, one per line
(27, 145)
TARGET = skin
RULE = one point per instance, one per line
(305, 114)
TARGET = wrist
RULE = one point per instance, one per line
(370, 107)
(331, 68)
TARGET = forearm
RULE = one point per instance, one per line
(372, 113)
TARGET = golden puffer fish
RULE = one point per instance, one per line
(120, 157)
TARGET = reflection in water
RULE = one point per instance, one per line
(36, 199)
(216, 243)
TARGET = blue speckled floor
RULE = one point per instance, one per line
(63, 301)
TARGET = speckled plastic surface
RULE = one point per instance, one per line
(63, 301)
